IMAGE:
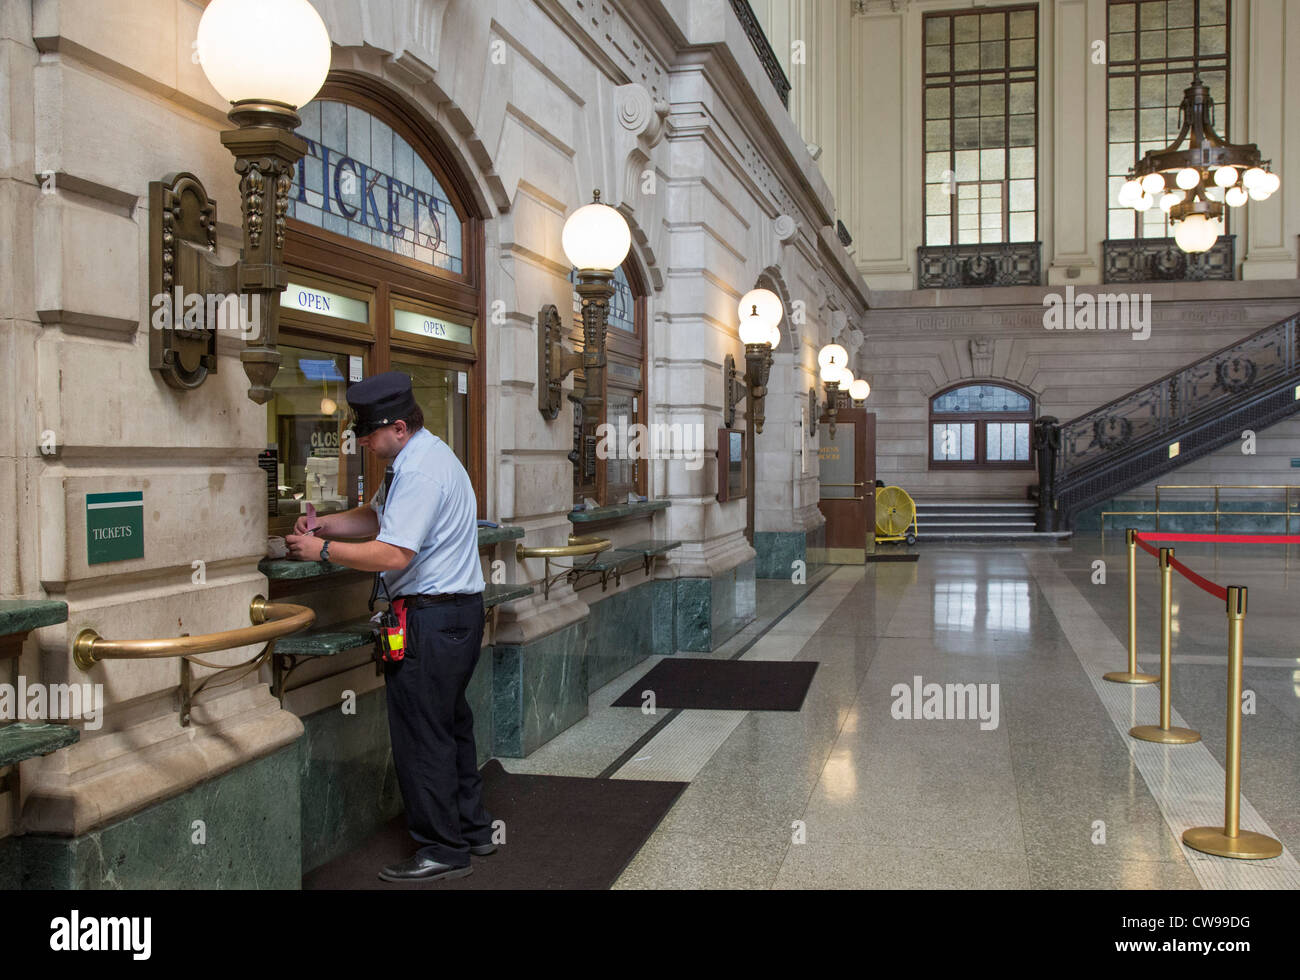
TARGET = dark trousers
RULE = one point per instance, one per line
(432, 729)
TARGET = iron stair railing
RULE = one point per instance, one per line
(1152, 430)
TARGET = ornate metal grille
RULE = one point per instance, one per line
(763, 48)
(1161, 260)
(956, 266)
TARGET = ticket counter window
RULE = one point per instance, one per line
(442, 392)
(306, 425)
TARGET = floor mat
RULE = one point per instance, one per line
(735, 685)
(562, 832)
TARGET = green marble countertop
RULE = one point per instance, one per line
(21, 615)
(24, 740)
(334, 639)
(327, 641)
(494, 595)
(652, 547)
(283, 569)
(617, 510)
(607, 561)
(492, 535)
(286, 569)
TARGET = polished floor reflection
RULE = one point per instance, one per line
(957, 733)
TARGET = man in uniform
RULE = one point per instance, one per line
(425, 550)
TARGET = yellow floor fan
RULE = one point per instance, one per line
(895, 515)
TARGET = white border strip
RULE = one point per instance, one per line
(1185, 780)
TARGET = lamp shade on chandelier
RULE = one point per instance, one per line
(1198, 176)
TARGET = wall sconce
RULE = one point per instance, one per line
(833, 361)
(760, 313)
(596, 240)
(266, 59)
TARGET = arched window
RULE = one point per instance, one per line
(985, 425)
(609, 481)
(384, 260)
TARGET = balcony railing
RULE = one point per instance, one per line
(763, 48)
(1161, 260)
(992, 264)
(1181, 417)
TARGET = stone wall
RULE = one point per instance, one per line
(662, 106)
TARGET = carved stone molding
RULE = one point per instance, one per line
(784, 227)
(981, 356)
(640, 113)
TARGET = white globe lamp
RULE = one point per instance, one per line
(596, 237)
(264, 50)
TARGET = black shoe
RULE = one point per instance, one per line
(482, 850)
(422, 869)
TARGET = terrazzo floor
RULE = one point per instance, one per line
(1046, 791)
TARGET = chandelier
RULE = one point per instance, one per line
(1193, 183)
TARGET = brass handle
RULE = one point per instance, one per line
(588, 545)
(844, 484)
(271, 620)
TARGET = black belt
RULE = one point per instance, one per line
(422, 601)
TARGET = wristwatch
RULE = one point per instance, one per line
(325, 551)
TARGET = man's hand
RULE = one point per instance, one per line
(302, 524)
(303, 547)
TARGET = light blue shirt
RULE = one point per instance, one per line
(434, 513)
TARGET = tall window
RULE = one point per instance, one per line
(1153, 49)
(981, 126)
(980, 425)
(609, 481)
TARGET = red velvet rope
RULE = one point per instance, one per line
(1147, 548)
(1218, 591)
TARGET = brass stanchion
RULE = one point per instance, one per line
(1164, 732)
(1230, 840)
(1131, 676)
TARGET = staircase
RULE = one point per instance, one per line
(981, 520)
(1154, 429)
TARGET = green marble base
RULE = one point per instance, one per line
(620, 633)
(348, 783)
(11, 865)
(252, 820)
(538, 690)
(777, 551)
(1200, 521)
(709, 611)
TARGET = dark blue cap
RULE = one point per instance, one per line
(379, 401)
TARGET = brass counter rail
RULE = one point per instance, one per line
(271, 620)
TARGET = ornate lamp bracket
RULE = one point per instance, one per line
(832, 403)
(752, 384)
(554, 362)
(198, 295)
(814, 411)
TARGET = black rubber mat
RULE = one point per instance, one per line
(562, 832)
(735, 685)
(893, 556)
